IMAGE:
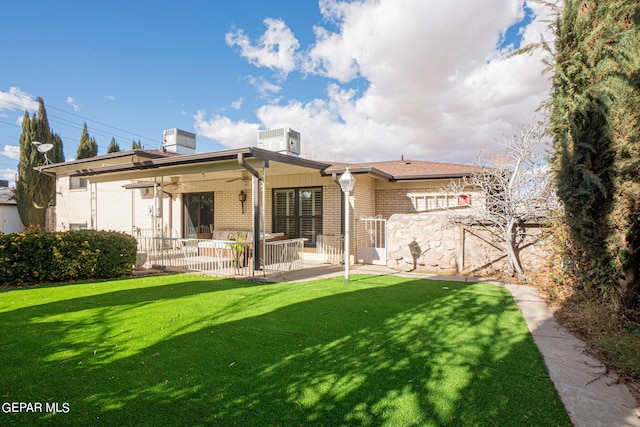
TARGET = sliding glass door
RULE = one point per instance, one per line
(198, 214)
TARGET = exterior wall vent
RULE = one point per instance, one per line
(283, 140)
(179, 141)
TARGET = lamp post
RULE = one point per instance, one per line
(347, 182)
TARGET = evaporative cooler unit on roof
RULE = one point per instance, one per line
(283, 140)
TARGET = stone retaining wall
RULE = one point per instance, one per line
(427, 242)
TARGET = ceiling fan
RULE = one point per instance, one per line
(244, 177)
(175, 183)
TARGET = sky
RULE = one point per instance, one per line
(366, 80)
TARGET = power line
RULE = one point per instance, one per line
(72, 124)
(10, 124)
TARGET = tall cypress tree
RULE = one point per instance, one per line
(88, 146)
(113, 146)
(596, 129)
(34, 191)
(136, 145)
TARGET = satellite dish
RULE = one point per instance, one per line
(43, 148)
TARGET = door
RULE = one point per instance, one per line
(371, 247)
(198, 214)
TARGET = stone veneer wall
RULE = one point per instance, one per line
(426, 242)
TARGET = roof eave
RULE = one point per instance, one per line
(187, 159)
(358, 170)
(430, 177)
(202, 158)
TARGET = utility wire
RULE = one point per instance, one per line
(71, 124)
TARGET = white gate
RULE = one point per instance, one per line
(371, 240)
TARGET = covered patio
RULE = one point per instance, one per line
(220, 212)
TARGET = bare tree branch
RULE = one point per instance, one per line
(515, 187)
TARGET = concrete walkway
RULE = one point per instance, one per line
(590, 397)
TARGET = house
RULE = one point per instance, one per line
(9, 217)
(186, 207)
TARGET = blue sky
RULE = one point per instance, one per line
(362, 81)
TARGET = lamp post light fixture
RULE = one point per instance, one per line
(347, 182)
(242, 197)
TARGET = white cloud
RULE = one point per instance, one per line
(73, 103)
(237, 104)
(222, 129)
(9, 175)
(15, 99)
(11, 151)
(264, 88)
(111, 97)
(274, 50)
(435, 85)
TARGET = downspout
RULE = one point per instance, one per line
(255, 210)
(263, 211)
(334, 176)
(154, 219)
(133, 216)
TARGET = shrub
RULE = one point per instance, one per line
(37, 256)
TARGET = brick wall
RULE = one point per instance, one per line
(228, 210)
(331, 212)
(389, 202)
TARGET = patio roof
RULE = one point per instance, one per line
(225, 164)
(216, 164)
(120, 157)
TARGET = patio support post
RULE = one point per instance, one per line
(255, 210)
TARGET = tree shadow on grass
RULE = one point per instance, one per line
(384, 351)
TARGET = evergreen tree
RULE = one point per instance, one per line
(34, 191)
(596, 129)
(135, 145)
(113, 146)
(88, 146)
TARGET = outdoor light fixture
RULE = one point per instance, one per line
(243, 198)
(347, 182)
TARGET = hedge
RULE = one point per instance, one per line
(38, 257)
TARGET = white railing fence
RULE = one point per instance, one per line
(330, 248)
(282, 256)
(220, 257)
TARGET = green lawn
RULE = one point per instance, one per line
(190, 350)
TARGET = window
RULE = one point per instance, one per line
(198, 213)
(297, 212)
(437, 201)
(76, 227)
(77, 183)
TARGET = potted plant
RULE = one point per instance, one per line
(237, 252)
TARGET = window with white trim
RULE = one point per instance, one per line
(424, 202)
